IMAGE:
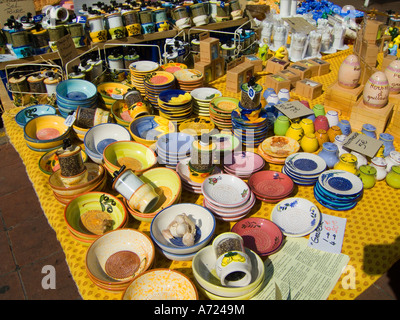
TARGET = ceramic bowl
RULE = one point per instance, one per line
(166, 96)
(48, 163)
(175, 144)
(100, 136)
(95, 174)
(125, 116)
(80, 131)
(203, 267)
(161, 284)
(133, 155)
(28, 113)
(202, 217)
(112, 242)
(225, 190)
(148, 129)
(244, 162)
(296, 217)
(112, 91)
(75, 91)
(98, 201)
(231, 212)
(45, 132)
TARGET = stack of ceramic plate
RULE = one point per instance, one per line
(296, 217)
(220, 111)
(155, 83)
(338, 190)
(227, 196)
(276, 149)
(172, 67)
(243, 164)
(202, 98)
(250, 132)
(175, 105)
(182, 168)
(189, 79)
(139, 70)
(271, 186)
(304, 168)
(197, 126)
(173, 147)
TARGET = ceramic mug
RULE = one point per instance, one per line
(126, 183)
(307, 125)
(345, 126)
(134, 29)
(319, 110)
(284, 94)
(380, 165)
(144, 198)
(117, 32)
(98, 36)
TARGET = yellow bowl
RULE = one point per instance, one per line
(120, 107)
(161, 284)
(96, 201)
(133, 155)
(111, 243)
(112, 91)
(48, 163)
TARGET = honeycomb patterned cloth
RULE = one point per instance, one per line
(372, 235)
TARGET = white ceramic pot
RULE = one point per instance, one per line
(380, 165)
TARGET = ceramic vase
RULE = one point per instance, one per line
(349, 72)
(333, 118)
(387, 140)
(333, 132)
(309, 143)
(367, 174)
(330, 154)
(380, 165)
(319, 110)
(369, 130)
(295, 132)
(307, 125)
(393, 177)
(392, 73)
(345, 126)
(339, 139)
(321, 122)
(347, 162)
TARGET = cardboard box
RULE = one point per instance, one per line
(219, 67)
(290, 75)
(256, 61)
(274, 65)
(303, 71)
(369, 53)
(238, 72)
(387, 59)
(207, 68)
(309, 64)
(324, 67)
(342, 99)
(209, 48)
(277, 82)
(371, 30)
(308, 88)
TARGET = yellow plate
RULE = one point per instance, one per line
(280, 146)
(196, 126)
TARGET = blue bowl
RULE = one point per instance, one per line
(31, 112)
(166, 95)
(76, 90)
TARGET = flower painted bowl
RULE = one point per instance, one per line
(31, 112)
(112, 91)
(148, 129)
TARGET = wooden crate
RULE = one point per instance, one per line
(342, 99)
(394, 127)
(277, 82)
(362, 114)
(308, 88)
(303, 71)
(274, 65)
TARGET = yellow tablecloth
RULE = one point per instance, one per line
(372, 237)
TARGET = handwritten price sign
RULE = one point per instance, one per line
(294, 109)
(16, 8)
(363, 144)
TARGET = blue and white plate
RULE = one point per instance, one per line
(340, 183)
(334, 206)
(305, 164)
(296, 217)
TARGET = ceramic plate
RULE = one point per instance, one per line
(270, 184)
(224, 104)
(196, 126)
(244, 162)
(225, 189)
(260, 235)
(159, 78)
(188, 75)
(305, 164)
(205, 94)
(280, 146)
(173, 67)
(183, 170)
(340, 182)
(296, 217)
(143, 66)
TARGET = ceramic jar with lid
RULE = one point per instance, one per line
(281, 125)
(321, 122)
(307, 125)
(376, 90)
(295, 132)
(322, 137)
(393, 159)
(339, 139)
(333, 132)
(319, 110)
(309, 143)
(345, 126)
(333, 118)
(367, 174)
(380, 165)
(347, 162)
(330, 154)
(369, 130)
(201, 163)
(393, 177)
(349, 72)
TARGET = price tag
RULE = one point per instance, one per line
(294, 109)
(363, 144)
(69, 121)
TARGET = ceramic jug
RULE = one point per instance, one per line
(330, 154)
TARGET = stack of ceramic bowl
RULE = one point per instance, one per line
(167, 183)
(96, 181)
(304, 168)
(34, 111)
(250, 131)
(173, 147)
(276, 149)
(227, 196)
(110, 253)
(197, 126)
(173, 67)
(243, 164)
(165, 230)
(87, 214)
(182, 168)
(155, 83)
(338, 190)
(72, 93)
(202, 98)
(175, 105)
(271, 186)
(203, 267)
(100, 136)
(46, 132)
(111, 92)
(220, 111)
(189, 79)
(139, 70)
(148, 129)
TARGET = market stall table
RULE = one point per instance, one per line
(371, 237)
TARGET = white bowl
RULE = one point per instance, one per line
(232, 212)
(225, 190)
(101, 135)
(203, 267)
(202, 217)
